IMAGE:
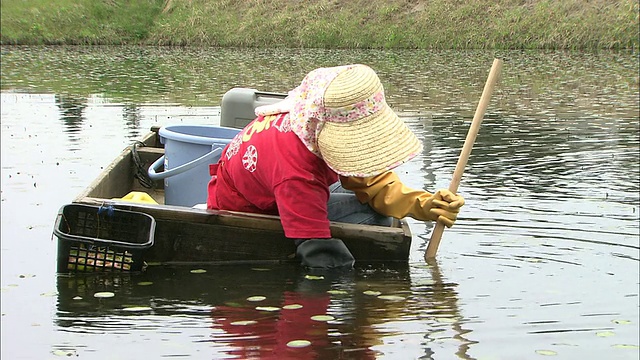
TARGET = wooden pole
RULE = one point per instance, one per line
(434, 242)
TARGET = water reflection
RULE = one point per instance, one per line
(545, 255)
(131, 114)
(360, 312)
(72, 109)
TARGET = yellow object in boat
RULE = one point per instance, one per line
(138, 197)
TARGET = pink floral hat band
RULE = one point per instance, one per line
(354, 112)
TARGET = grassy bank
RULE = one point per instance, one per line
(437, 24)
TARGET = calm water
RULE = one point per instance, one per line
(544, 260)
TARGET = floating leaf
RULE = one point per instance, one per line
(198, 271)
(60, 352)
(52, 293)
(546, 352)
(244, 322)
(625, 346)
(621, 322)
(298, 343)
(77, 298)
(292, 307)
(267, 308)
(22, 276)
(104, 294)
(314, 277)
(391, 297)
(337, 292)
(137, 308)
(322, 318)
(605, 333)
(256, 298)
(145, 283)
(372, 293)
(446, 320)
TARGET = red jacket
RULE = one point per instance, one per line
(267, 169)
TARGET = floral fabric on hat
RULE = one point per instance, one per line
(305, 106)
(307, 112)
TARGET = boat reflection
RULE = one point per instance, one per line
(275, 311)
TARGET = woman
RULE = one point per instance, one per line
(335, 126)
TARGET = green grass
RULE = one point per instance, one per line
(78, 22)
(424, 24)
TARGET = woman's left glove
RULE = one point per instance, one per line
(324, 253)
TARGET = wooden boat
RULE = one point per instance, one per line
(186, 235)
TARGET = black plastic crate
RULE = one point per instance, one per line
(102, 238)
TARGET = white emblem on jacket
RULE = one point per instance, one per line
(250, 158)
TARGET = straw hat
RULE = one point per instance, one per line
(340, 114)
(361, 135)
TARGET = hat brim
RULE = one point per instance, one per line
(368, 146)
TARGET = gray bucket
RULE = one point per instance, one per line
(238, 105)
(188, 151)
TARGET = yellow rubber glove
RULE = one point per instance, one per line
(446, 205)
(389, 196)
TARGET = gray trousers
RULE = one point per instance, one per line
(343, 206)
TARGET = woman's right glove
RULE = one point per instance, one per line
(444, 205)
(389, 196)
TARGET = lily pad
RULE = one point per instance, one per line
(446, 320)
(136, 308)
(77, 298)
(244, 322)
(606, 333)
(546, 352)
(60, 352)
(391, 297)
(104, 294)
(621, 322)
(314, 277)
(256, 298)
(626, 346)
(322, 318)
(198, 271)
(292, 307)
(145, 283)
(372, 292)
(298, 343)
(267, 308)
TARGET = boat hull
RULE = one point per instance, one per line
(190, 235)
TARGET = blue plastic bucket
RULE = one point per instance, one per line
(188, 151)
